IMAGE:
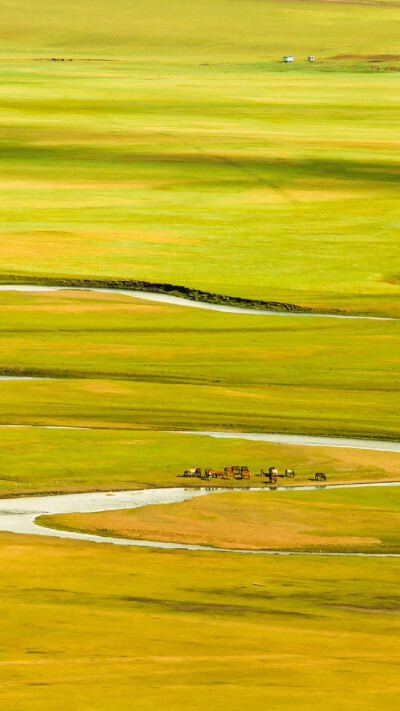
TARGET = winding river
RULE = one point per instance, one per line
(19, 515)
(181, 301)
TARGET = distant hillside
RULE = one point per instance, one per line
(200, 30)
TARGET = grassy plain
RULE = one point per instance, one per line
(212, 174)
(37, 461)
(128, 363)
(221, 31)
(88, 626)
(190, 155)
(356, 520)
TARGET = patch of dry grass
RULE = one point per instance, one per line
(329, 521)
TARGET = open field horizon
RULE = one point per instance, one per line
(223, 30)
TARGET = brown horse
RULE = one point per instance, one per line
(209, 473)
(320, 476)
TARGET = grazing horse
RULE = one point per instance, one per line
(289, 473)
(210, 473)
(320, 476)
(246, 474)
(220, 474)
(272, 478)
(190, 472)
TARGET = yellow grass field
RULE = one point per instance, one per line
(87, 626)
(360, 520)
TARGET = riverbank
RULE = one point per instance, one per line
(342, 520)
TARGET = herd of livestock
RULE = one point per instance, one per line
(271, 474)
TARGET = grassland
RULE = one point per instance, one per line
(127, 363)
(35, 461)
(210, 177)
(176, 148)
(222, 31)
(89, 626)
(366, 521)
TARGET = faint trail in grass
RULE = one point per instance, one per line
(225, 160)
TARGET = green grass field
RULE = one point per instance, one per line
(222, 31)
(210, 174)
(352, 520)
(129, 363)
(35, 461)
(177, 148)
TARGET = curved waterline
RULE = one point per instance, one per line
(20, 515)
(378, 445)
(182, 301)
